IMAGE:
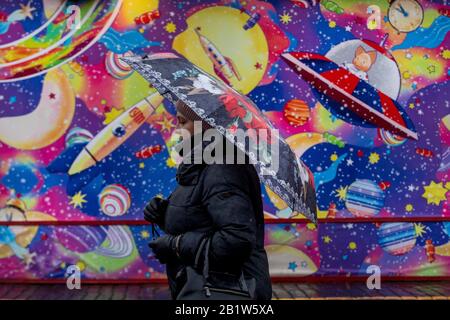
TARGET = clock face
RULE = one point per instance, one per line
(405, 15)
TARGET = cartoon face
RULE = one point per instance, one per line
(364, 59)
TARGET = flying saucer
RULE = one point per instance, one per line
(349, 97)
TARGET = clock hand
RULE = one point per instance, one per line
(405, 13)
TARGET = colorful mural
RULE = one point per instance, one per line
(384, 154)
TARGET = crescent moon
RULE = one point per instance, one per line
(48, 122)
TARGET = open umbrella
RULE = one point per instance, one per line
(348, 97)
(226, 110)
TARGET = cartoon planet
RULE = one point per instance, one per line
(364, 198)
(390, 138)
(397, 238)
(30, 55)
(116, 67)
(296, 112)
(286, 260)
(116, 252)
(78, 135)
(81, 239)
(115, 200)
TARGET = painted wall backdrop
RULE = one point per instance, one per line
(61, 82)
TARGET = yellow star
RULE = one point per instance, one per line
(27, 10)
(409, 207)
(352, 245)
(311, 226)
(406, 75)
(77, 200)
(170, 27)
(171, 162)
(434, 193)
(411, 105)
(419, 229)
(166, 124)
(326, 239)
(334, 157)
(341, 193)
(141, 165)
(145, 234)
(332, 24)
(446, 54)
(81, 265)
(111, 115)
(285, 18)
(374, 158)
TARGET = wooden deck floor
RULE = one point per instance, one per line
(391, 290)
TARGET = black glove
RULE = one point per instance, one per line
(155, 211)
(165, 248)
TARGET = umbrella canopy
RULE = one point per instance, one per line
(226, 110)
(348, 97)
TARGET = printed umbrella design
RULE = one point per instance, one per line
(348, 97)
(227, 110)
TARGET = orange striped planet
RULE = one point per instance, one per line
(296, 112)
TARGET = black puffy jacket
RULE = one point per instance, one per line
(222, 201)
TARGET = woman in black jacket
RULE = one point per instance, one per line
(221, 201)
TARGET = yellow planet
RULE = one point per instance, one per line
(216, 41)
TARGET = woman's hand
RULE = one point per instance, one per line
(165, 248)
(155, 211)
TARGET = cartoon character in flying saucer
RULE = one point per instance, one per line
(358, 81)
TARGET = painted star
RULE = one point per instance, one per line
(77, 200)
(326, 239)
(408, 55)
(258, 66)
(141, 165)
(341, 193)
(166, 124)
(348, 28)
(52, 96)
(446, 54)
(170, 27)
(349, 162)
(431, 69)
(434, 193)
(285, 18)
(171, 163)
(374, 158)
(111, 115)
(145, 234)
(292, 266)
(419, 228)
(27, 10)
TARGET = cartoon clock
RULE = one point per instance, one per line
(405, 15)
